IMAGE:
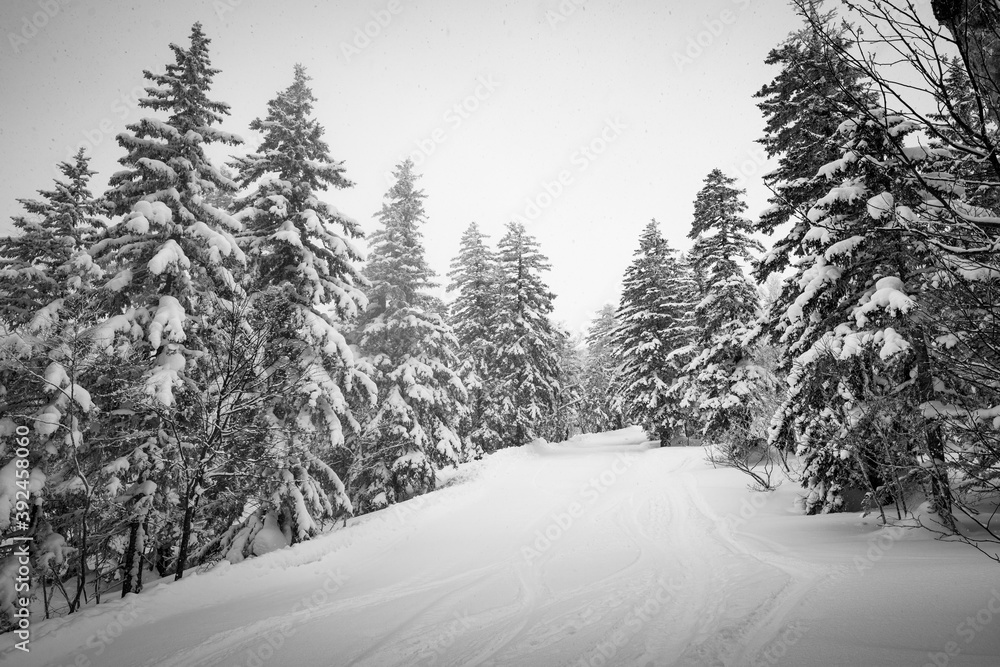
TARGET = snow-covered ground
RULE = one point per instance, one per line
(599, 551)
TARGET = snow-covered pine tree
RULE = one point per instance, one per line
(803, 106)
(653, 325)
(857, 322)
(597, 406)
(45, 263)
(301, 260)
(52, 376)
(944, 205)
(472, 317)
(564, 420)
(45, 273)
(411, 350)
(172, 257)
(721, 382)
(527, 344)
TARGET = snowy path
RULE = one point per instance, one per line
(595, 552)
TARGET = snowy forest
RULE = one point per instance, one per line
(201, 363)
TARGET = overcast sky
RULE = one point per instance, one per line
(601, 113)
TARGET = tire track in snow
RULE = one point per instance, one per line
(765, 622)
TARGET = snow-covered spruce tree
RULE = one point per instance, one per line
(597, 406)
(565, 418)
(963, 241)
(414, 425)
(52, 376)
(864, 355)
(45, 263)
(721, 383)
(300, 254)
(172, 258)
(526, 343)
(803, 106)
(472, 317)
(45, 273)
(653, 324)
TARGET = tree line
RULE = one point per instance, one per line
(208, 368)
(868, 350)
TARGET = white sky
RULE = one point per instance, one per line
(555, 84)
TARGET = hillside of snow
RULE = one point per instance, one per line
(603, 550)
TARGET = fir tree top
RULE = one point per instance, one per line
(293, 146)
(474, 276)
(397, 267)
(521, 265)
(172, 241)
(803, 106)
(38, 266)
(166, 161)
(288, 228)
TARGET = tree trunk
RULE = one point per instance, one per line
(81, 576)
(130, 582)
(940, 488)
(190, 504)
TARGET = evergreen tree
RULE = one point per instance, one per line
(54, 376)
(653, 326)
(803, 106)
(864, 361)
(526, 374)
(597, 405)
(413, 427)
(720, 380)
(46, 262)
(303, 268)
(173, 258)
(565, 418)
(472, 316)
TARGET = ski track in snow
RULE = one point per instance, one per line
(647, 571)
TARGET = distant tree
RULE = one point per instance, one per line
(526, 342)
(653, 326)
(414, 425)
(53, 377)
(473, 315)
(565, 419)
(597, 406)
(720, 381)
